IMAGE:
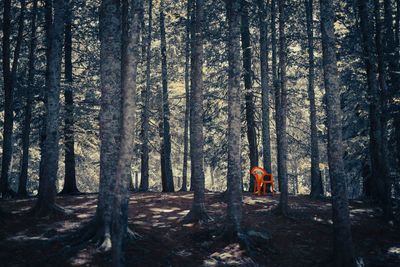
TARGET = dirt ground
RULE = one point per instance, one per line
(302, 239)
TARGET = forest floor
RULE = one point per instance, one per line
(302, 239)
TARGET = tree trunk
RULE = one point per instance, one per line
(23, 177)
(281, 123)
(343, 247)
(251, 128)
(275, 80)
(129, 62)
(46, 199)
(187, 94)
(316, 183)
(110, 114)
(144, 179)
(70, 179)
(9, 77)
(165, 103)
(264, 87)
(197, 212)
(234, 181)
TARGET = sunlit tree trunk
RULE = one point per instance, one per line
(129, 62)
(251, 128)
(144, 178)
(169, 186)
(197, 212)
(23, 177)
(316, 182)
(342, 241)
(70, 178)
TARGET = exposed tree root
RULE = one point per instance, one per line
(197, 215)
(253, 242)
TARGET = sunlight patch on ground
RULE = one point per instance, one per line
(231, 255)
(84, 215)
(140, 216)
(395, 251)
(261, 200)
(183, 213)
(164, 210)
(26, 238)
(68, 225)
(172, 218)
(82, 259)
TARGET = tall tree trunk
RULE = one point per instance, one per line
(9, 77)
(187, 94)
(376, 179)
(251, 128)
(234, 180)
(129, 62)
(144, 178)
(48, 10)
(165, 103)
(110, 114)
(275, 80)
(46, 199)
(343, 247)
(386, 49)
(264, 86)
(197, 212)
(281, 123)
(23, 177)
(316, 182)
(70, 178)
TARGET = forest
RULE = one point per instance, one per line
(130, 131)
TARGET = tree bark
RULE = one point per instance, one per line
(197, 212)
(251, 128)
(9, 77)
(129, 62)
(166, 113)
(275, 80)
(23, 177)
(144, 179)
(343, 247)
(46, 199)
(110, 115)
(70, 177)
(187, 97)
(234, 181)
(281, 123)
(316, 182)
(264, 87)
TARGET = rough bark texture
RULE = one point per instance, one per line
(144, 182)
(46, 199)
(187, 108)
(316, 182)
(110, 114)
(23, 177)
(281, 123)
(197, 212)
(343, 247)
(234, 180)
(250, 120)
(169, 186)
(266, 139)
(9, 77)
(129, 62)
(275, 80)
(69, 160)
